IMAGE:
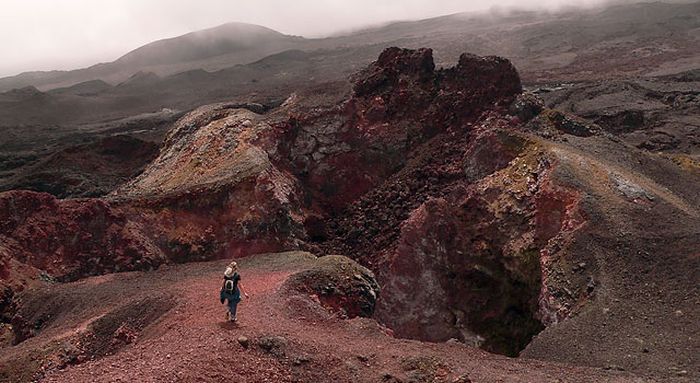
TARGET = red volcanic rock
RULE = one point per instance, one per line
(395, 65)
(72, 238)
(374, 177)
(399, 103)
(213, 190)
(341, 285)
(472, 258)
(474, 223)
(42, 237)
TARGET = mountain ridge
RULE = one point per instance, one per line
(248, 41)
(250, 34)
(510, 34)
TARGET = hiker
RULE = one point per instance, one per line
(231, 290)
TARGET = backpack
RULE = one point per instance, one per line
(230, 284)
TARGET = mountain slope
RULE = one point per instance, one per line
(570, 45)
(225, 39)
(621, 40)
(234, 43)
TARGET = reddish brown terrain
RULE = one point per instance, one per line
(489, 220)
(400, 215)
(141, 94)
(167, 326)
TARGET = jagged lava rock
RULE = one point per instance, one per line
(398, 103)
(342, 285)
(213, 190)
(43, 237)
(229, 181)
(70, 238)
(471, 220)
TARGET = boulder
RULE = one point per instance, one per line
(342, 286)
(526, 106)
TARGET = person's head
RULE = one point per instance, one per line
(231, 269)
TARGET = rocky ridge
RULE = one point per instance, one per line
(485, 216)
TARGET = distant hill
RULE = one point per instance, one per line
(627, 39)
(233, 43)
(234, 59)
(228, 38)
(87, 88)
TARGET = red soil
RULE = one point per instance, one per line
(193, 343)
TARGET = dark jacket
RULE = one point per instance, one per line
(234, 294)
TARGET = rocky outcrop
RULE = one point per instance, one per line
(213, 190)
(526, 106)
(46, 239)
(447, 184)
(458, 238)
(232, 181)
(398, 103)
(72, 238)
(87, 170)
(339, 284)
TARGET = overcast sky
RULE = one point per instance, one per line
(68, 34)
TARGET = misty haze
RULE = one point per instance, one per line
(333, 191)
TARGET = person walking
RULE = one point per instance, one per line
(231, 290)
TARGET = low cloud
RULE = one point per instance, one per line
(66, 34)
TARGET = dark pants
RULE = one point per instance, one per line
(232, 305)
(233, 300)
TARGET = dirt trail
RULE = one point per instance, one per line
(291, 340)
